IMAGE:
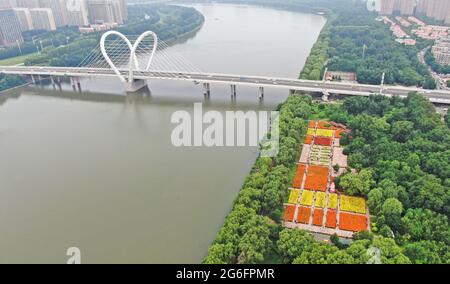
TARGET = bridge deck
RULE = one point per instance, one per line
(344, 88)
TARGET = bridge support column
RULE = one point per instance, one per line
(135, 86)
(261, 93)
(325, 96)
(33, 79)
(206, 89)
(233, 91)
(53, 81)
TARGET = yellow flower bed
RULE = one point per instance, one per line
(310, 131)
(307, 197)
(320, 199)
(332, 200)
(293, 197)
(324, 132)
(353, 204)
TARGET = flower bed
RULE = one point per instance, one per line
(323, 141)
(307, 197)
(332, 200)
(303, 214)
(298, 178)
(317, 178)
(308, 139)
(320, 199)
(353, 204)
(324, 125)
(311, 123)
(293, 197)
(310, 131)
(331, 219)
(317, 217)
(324, 132)
(289, 213)
(352, 222)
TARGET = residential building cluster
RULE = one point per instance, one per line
(431, 32)
(401, 36)
(18, 16)
(435, 9)
(441, 51)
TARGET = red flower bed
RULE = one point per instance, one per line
(308, 139)
(317, 178)
(289, 213)
(303, 214)
(317, 217)
(352, 222)
(298, 178)
(331, 219)
(323, 141)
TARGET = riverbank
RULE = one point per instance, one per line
(184, 23)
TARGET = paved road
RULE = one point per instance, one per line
(345, 88)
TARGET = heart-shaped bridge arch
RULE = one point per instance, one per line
(132, 47)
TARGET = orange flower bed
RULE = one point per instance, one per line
(298, 178)
(317, 217)
(311, 123)
(324, 125)
(303, 214)
(323, 141)
(317, 178)
(289, 213)
(308, 139)
(352, 222)
(331, 219)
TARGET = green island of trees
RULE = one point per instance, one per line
(67, 47)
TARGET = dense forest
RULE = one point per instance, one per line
(399, 148)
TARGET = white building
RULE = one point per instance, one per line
(43, 19)
(25, 20)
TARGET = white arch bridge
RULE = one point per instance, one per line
(122, 59)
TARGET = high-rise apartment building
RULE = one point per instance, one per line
(107, 11)
(24, 17)
(436, 9)
(402, 7)
(10, 32)
(58, 8)
(43, 19)
(77, 12)
(441, 51)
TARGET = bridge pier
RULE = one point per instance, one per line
(261, 93)
(325, 96)
(206, 89)
(33, 79)
(233, 91)
(135, 86)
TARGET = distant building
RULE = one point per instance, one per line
(43, 19)
(24, 17)
(441, 51)
(107, 11)
(10, 32)
(77, 13)
(402, 7)
(59, 10)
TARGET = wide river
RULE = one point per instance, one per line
(97, 170)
